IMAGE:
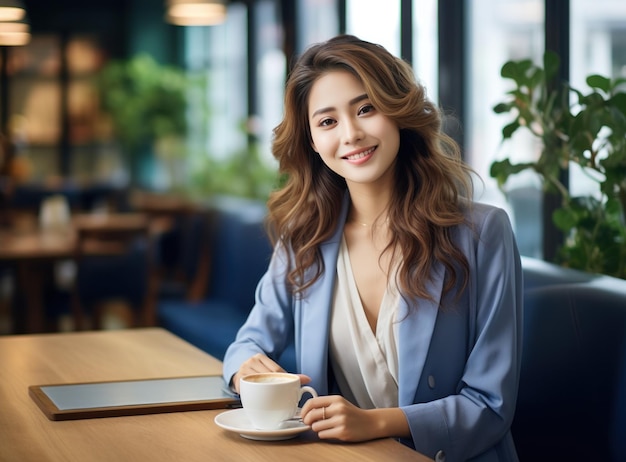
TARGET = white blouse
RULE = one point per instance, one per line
(365, 365)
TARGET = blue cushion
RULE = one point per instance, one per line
(572, 396)
(239, 253)
(539, 273)
(209, 325)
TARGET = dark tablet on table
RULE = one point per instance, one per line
(132, 397)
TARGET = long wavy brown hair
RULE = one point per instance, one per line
(432, 184)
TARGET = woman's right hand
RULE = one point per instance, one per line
(260, 363)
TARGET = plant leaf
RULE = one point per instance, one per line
(508, 130)
(619, 101)
(502, 108)
(600, 82)
(564, 219)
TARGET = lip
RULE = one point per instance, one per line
(360, 155)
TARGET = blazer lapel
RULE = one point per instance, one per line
(417, 323)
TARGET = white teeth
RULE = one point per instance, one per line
(360, 155)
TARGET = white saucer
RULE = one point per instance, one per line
(237, 421)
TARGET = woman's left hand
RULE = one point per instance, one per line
(333, 417)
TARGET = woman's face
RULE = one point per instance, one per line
(353, 139)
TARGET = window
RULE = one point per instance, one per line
(597, 46)
(317, 21)
(219, 53)
(270, 75)
(425, 45)
(375, 21)
(379, 22)
(513, 29)
(500, 31)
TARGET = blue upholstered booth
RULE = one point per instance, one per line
(239, 253)
(572, 397)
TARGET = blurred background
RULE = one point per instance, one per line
(111, 102)
(185, 98)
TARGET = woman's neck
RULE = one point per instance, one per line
(368, 207)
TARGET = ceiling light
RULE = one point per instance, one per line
(12, 10)
(196, 12)
(14, 33)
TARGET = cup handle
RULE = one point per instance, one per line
(307, 389)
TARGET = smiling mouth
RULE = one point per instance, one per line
(360, 155)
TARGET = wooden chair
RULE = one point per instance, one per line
(183, 253)
(114, 260)
(185, 258)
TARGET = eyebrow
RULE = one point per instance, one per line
(351, 102)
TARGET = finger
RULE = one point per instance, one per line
(320, 419)
(304, 379)
(315, 409)
(259, 363)
(309, 405)
(256, 364)
(269, 365)
(304, 413)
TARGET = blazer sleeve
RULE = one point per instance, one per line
(478, 416)
(269, 326)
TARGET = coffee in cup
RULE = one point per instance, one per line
(270, 398)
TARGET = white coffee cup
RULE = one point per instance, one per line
(270, 398)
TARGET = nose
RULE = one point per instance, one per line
(352, 131)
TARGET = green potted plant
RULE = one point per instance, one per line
(146, 103)
(588, 129)
(245, 173)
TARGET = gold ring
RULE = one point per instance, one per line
(323, 413)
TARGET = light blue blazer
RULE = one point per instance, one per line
(459, 358)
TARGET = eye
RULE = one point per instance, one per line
(366, 109)
(326, 122)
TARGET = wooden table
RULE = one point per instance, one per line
(27, 435)
(32, 255)
(34, 252)
(33, 244)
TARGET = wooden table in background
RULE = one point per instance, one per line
(27, 435)
(34, 252)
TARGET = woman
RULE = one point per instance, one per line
(403, 296)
